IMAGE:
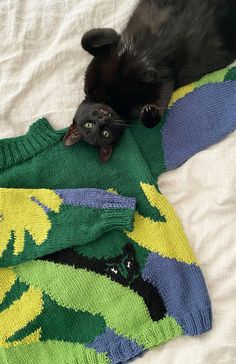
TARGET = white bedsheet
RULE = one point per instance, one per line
(41, 74)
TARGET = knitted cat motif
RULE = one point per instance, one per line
(123, 268)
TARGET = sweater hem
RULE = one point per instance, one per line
(155, 334)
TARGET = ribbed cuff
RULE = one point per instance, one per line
(197, 322)
(119, 219)
(160, 332)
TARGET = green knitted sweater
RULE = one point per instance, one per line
(109, 300)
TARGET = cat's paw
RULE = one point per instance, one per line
(150, 115)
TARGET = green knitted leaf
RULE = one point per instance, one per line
(14, 294)
(60, 323)
(123, 310)
(214, 77)
(231, 74)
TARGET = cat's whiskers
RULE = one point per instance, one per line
(124, 125)
(121, 124)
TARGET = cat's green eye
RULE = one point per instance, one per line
(106, 134)
(88, 125)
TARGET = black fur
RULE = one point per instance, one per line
(166, 44)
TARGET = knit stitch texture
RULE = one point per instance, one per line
(109, 299)
(35, 222)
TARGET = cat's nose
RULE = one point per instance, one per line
(101, 121)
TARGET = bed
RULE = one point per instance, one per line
(42, 67)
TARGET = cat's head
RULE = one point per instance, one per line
(98, 125)
(119, 75)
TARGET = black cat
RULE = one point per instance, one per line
(99, 125)
(166, 44)
(123, 269)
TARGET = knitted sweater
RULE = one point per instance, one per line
(35, 222)
(127, 291)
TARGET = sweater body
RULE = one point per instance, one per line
(126, 291)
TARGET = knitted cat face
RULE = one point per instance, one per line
(123, 269)
(98, 125)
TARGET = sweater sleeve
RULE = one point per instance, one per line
(197, 120)
(36, 222)
(198, 116)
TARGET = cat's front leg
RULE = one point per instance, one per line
(152, 113)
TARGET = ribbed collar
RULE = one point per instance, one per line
(39, 137)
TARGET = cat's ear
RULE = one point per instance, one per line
(105, 153)
(100, 41)
(72, 136)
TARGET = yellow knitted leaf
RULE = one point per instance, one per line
(181, 92)
(7, 279)
(20, 313)
(29, 339)
(112, 190)
(20, 211)
(166, 238)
